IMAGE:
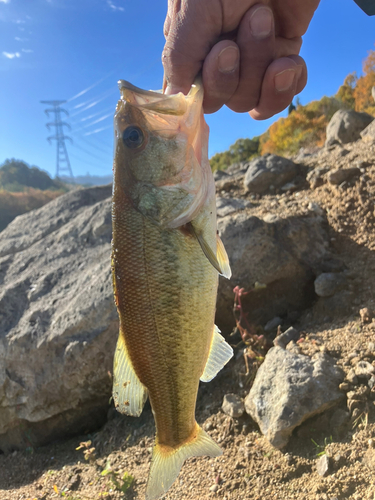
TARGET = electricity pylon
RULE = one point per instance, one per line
(62, 158)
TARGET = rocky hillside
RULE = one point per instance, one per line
(293, 411)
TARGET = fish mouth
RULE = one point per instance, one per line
(175, 104)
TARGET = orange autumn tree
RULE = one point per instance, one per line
(362, 91)
(346, 92)
(306, 126)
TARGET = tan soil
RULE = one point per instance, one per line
(250, 467)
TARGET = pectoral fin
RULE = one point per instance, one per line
(220, 354)
(129, 393)
(220, 261)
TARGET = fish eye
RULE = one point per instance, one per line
(133, 137)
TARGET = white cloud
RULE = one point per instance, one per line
(17, 21)
(4, 1)
(27, 51)
(11, 55)
(18, 39)
(114, 7)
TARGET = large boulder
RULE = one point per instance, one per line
(269, 171)
(288, 389)
(58, 321)
(285, 255)
(346, 126)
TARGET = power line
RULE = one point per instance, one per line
(87, 162)
(62, 158)
(88, 152)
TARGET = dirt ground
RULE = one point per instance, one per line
(115, 464)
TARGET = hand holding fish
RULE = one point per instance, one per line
(247, 52)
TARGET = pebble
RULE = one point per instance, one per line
(314, 207)
(340, 175)
(214, 488)
(73, 483)
(327, 284)
(282, 340)
(233, 405)
(365, 315)
(352, 377)
(364, 369)
(272, 324)
(322, 465)
(344, 386)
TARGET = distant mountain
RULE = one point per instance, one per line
(16, 176)
(24, 188)
(89, 180)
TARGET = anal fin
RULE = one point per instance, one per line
(220, 354)
(129, 394)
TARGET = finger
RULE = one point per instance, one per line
(193, 27)
(284, 78)
(220, 75)
(256, 41)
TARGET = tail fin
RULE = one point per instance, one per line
(166, 462)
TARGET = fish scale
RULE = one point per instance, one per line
(165, 261)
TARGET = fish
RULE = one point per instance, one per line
(166, 259)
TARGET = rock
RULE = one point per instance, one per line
(214, 488)
(291, 334)
(283, 255)
(228, 182)
(58, 321)
(371, 382)
(352, 377)
(227, 206)
(365, 314)
(238, 168)
(73, 482)
(316, 177)
(322, 465)
(290, 388)
(314, 207)
(220, 174)
(269, 170)
(327, 284)
(346, 125)
(233, 405)
(272, 324)
(364, 369)
(368, 134)
(340, 175)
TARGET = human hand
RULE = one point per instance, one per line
(247, 52)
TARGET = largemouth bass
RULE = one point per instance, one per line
(166, 258)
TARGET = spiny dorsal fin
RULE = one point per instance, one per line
(129, 394)
(220, 354)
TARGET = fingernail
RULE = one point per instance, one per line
(284, 80)
(168, 90)
(261, 23)
(228, 59)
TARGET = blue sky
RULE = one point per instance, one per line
(78, 49)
